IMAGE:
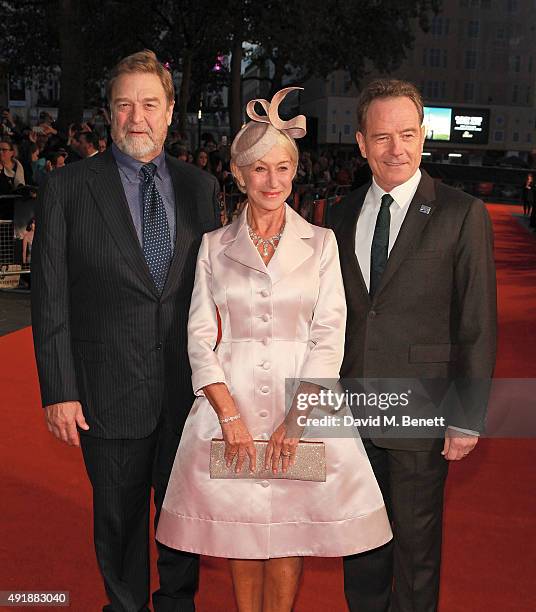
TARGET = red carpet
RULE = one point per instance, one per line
(490, 525)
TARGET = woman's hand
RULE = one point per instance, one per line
(281, 446)
(238, 443)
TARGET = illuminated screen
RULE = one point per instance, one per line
(437, 122)
(457, 124)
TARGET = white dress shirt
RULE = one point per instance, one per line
(364, 233)
(402, 194)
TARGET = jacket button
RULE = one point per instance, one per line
(372, 314)
(158, 347)
(263, 413)
(266, 365)
(266, 341)
(264, 484)
(265, 293)
(265, 389)
(265, 318)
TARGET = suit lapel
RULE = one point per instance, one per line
(184, 220)
(346, 235)
(107, 191)
(413, 225)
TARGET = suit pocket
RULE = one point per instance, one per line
(424, 254)
(93, 352)
(432, 353)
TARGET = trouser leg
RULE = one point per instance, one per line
(417, 480)
(120, 474)
(368, 576)
(178, 571)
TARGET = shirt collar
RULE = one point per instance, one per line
(402, 194)
(131, 167)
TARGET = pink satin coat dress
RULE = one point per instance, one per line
(284, 320)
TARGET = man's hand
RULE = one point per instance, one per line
(457, 444)
(62, 419)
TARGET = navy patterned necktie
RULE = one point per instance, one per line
(380, 244)
(155, 233)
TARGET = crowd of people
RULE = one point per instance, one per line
(30, 152)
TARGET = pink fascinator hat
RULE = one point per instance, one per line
(263, 132)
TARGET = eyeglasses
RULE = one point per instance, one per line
(6, 149)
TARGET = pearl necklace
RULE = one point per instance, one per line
(264, 243)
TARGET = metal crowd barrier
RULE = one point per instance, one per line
(11, 266)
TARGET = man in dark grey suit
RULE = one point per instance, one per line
(417, 262)
(113, 269)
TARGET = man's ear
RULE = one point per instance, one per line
(423, 135)
(359, 136)
(169, 113)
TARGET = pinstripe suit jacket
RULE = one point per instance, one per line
(102, 333)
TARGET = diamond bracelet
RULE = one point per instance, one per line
(229, 419)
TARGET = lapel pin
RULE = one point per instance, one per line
(425, 209)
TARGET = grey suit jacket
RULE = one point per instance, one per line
(102, 333)
(434, 315)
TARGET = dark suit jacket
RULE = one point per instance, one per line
(102, 334)
(434, 314)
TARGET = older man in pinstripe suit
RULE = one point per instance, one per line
(115, 251)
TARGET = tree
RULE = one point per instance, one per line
(316, 37)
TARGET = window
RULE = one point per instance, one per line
(469, 92)
(512, 6)
(515, 92)
(515, 136)
(444, 58)
(439, 26)
(424, 57)
(333, 128)
(499, 135)
(529, 137)
(530, 63)
(528, 95)
(435, 90)
(346, 129)
(515, 63)
(435, 58)
(473, 29)
(470, 59)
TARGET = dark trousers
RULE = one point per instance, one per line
(121, 474)
(403, 575)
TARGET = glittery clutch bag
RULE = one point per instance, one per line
(310, 463)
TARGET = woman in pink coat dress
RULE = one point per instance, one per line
(276, 283)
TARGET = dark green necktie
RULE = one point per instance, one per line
(380, 244)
